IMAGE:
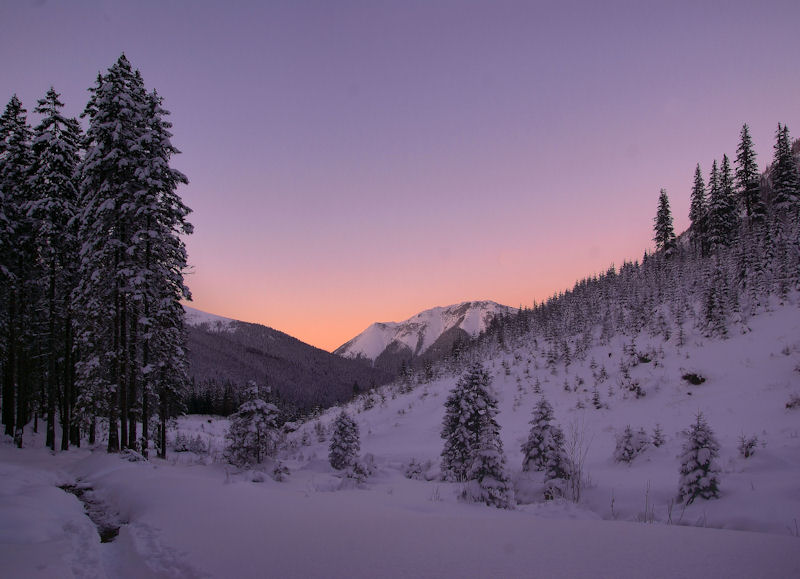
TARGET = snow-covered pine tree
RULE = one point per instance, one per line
(699, 472)
(748, 179)
(715, 306)
(17, 261)
(557, 466)
(722, 217)
(533, 450)
(630, 444)
(785, 180)
(159, 285)
(488, 481)
(253, 434)
(664, 232)
(56, 154)
(132, 260)
(469, 410)
(117, 124)
(345, 442)
(698, 209)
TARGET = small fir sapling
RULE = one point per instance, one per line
(699, 472)
(279, 471)
(658, 439)
(747, 445)
(630, 444)
(345, 443)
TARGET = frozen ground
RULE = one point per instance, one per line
(192, 516)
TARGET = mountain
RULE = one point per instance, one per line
(226, 354)
(429, 335)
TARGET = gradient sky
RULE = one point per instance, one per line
(352, 162)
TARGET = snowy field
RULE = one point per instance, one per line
(195, 516)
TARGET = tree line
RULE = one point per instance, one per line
(741, 250)
(92, 267)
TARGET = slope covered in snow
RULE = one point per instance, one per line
(421, 333)
(195, 516)
(196, 318)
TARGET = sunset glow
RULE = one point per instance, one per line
(353, 162)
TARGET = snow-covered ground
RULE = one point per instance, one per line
(193, 516)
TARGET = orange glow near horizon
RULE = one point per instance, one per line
(353, 162)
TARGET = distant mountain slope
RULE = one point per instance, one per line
(427, 335)
(224, 350)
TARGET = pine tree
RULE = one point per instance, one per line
(132, 261)
(630, 444)
(253, 434)
(56, 146)
(544, 450)
(748, 179)
(698, 210)
(722, 217)
(345, 442)
(489, 482)
(534, 449)
(18, 259)
(664, 232)
(469, 411)
(785, 179)
(699, 472)
(159, 285)
(715, 311)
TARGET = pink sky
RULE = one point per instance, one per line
(352, 162)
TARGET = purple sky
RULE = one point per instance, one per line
(352, 162)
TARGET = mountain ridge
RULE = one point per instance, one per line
(427, 335)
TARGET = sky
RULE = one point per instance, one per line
(360, 161)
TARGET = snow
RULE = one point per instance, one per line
(194, 516)
(197, 318)
(419, 332)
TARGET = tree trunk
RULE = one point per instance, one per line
(122, 384)
(51, 365)
(10, 369)
(132, 379)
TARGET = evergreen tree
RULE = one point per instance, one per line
(630, 444)
(56, 146)
(345, 443)
(253, 434)
(699, 472)
(132, 261)
(715, 310)
(785, 179)
(722, 218)
(748, 179)
(18, 259)
(544, 450)
(469, 411)
(533, 450)
(664, 233)
(489, 482)
(698, 209)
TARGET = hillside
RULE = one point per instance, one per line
(626, 521)
(229, 353)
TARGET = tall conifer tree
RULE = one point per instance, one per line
(785, 180)
(698, 209)
(748, 178)
(56, 146)
(17, 256)
(664, 232)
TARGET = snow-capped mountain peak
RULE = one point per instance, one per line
(422, 333)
